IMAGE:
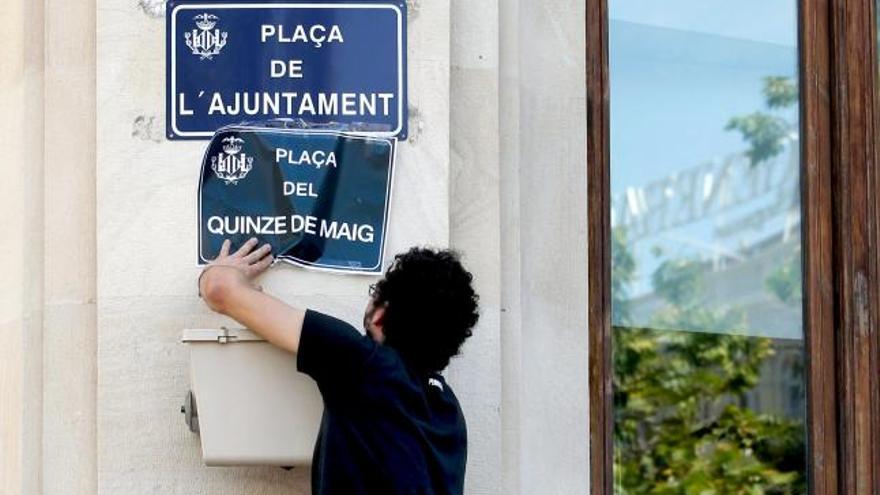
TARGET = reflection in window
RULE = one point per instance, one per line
(709, 392)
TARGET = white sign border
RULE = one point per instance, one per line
(232, 6)
(375, 270)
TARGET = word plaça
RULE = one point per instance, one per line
(317, 158)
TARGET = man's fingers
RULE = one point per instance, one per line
(224, 249)
(246, 247)
(261, 266)
(258, 254)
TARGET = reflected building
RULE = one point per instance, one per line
(751, 214)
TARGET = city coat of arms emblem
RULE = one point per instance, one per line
(232, 165)
(206, 40)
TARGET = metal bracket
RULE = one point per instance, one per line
(190, 412)
(224, 336)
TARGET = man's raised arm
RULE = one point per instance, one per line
(227, 286)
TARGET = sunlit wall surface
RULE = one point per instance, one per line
(709, 392)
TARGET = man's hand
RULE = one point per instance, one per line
(230, 271)
(227, 285)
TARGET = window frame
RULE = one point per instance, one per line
(840, 172)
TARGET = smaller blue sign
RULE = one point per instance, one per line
(324, 62)
(320, 198)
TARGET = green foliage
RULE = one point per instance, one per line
(780, 92)
(766, 132)
(785, 281)
(678, 281)
(623, 266)
(737, 453)
(680, 421)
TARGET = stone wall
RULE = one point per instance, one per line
(100, 269)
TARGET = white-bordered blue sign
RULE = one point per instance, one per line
(325, 62)
(321, 198)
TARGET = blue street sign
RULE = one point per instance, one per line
(319, 197)
(323, 62)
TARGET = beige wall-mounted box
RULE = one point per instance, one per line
(253, 407)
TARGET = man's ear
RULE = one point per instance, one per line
(377, 319)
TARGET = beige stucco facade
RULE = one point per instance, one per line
(99, 261)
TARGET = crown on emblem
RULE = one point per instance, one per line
(232, 145)
(206, 21)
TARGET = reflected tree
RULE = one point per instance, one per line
(681, 420)
(785, 280)
(767, 130)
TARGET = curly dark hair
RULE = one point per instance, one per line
(430, 307)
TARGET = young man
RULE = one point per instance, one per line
(391, 424)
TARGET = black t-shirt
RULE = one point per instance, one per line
(385, 430)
